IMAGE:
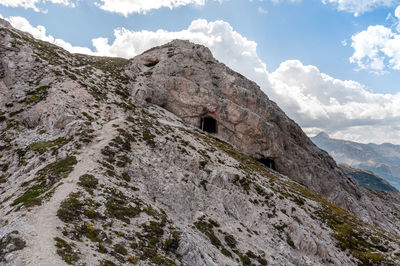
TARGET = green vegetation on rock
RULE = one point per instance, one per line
(88, 182)
(368, 179)
(45, 180)
(42, 147)
(36, 95)
(66, 251)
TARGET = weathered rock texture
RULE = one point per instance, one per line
(102, 163)
(185, 79)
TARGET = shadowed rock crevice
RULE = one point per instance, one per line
(2, 71)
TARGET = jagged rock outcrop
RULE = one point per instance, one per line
(102, 163)
(185, 79)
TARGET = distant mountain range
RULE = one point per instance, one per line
(383, 159)
(368, 179)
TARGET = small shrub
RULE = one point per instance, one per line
(70, 209)
(132, 260)
(36, 95)
(244, 182)
(102, 249)
(207, 229)
(203, 164)
(91, 214)
(121, 210)
(153, 229)
(226, 252)
(65, 251)
(230, 241)
(125, 176)
(88, 182)
(119, 248)
(172, 244)
(148, 137)
(107, 263)
(245, 259)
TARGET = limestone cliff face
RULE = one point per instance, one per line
(185, 79)
(190, 83)
(102, 162)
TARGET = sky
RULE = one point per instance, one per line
(331, 65)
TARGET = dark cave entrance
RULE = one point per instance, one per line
(152, 63)
(268, 163)
(208, 124)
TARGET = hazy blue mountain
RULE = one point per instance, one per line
(383, 159)
(368, 179)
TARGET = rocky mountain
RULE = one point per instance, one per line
(383, 159)
(368, 179)
(169, 158)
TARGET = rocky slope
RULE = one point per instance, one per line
(102, 163)
(186, 80)
(383, 159)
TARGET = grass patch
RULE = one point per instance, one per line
(70, 209)
(207, 228)
(36, 95)
(45, 180)
(148, 137)
(42, 147)
(59, 169)
(121, 209)
(88, 182)
(66, 251)
(172, 243)
(119, 248)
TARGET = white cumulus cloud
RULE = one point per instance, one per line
(378, 47)
(127, 7)
(227, 45)
(262, 10)
(33, 3)
(357, 7)
(397, 16)
(317, 101)
(39, 32)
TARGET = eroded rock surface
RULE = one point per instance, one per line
(186, 80)
(102, 162)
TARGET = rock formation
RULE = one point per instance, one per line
(185, 79)
(103, 162)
